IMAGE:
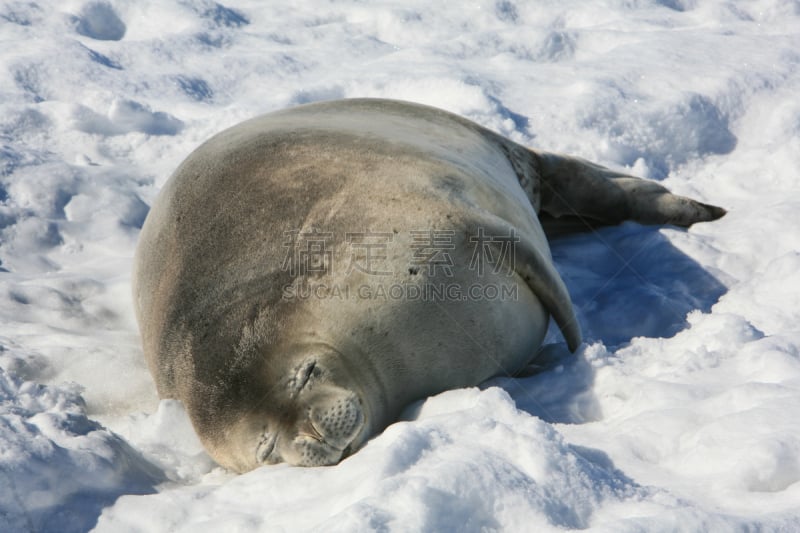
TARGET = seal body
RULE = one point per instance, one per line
(306, 274)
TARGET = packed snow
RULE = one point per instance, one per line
(680, 410)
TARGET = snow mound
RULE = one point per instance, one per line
(100, 21)
(126, 116)
(429, 475)
(59, 468)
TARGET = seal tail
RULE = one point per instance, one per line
(577, 195)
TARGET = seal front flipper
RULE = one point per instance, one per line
(536, 269)
(577, 195)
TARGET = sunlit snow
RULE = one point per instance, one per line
(680, 412)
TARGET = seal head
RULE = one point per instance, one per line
(319, 421)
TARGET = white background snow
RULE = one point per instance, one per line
(680, 412)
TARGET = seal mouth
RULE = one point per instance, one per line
(311, 431)
(327, 440)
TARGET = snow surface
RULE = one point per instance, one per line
(680, 412)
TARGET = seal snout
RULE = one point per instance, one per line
(338, 423)
(330, 432)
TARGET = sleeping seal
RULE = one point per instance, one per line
(306, 274)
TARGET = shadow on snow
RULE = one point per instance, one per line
(627, 281)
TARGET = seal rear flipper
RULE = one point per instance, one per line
(536, 269)
(577, 195)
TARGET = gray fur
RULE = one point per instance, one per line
(267, 377)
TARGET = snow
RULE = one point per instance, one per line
(678, 413)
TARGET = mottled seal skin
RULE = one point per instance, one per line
(265, 269)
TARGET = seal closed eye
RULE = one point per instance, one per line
(306, 274)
